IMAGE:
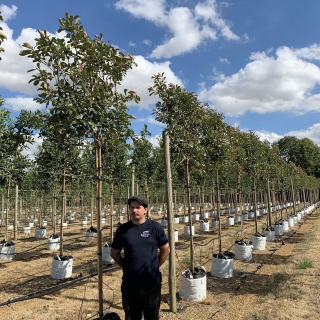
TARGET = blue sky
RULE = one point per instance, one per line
(257, 62)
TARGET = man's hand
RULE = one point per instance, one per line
(163, 254)
(116, 256)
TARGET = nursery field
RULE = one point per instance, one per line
(280, 282)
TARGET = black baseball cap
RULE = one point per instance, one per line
(144, 201)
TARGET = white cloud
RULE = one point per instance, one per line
(269, 136)
(149, 10)
(150, 120)
(13, 71)
(7, 12)
(188, 27)
(155, 140)
(147, 42)
(139, 79)
(313, 133)
(224, 60)
(132, 44)
(21, 103)
(283, 82)
(31, 149)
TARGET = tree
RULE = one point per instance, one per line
(182, 113)
(79, 76)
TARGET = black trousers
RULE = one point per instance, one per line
(138, 299)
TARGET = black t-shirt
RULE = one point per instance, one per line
(140, 244)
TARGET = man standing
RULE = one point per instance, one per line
(141, 282)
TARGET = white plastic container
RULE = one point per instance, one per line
(258, 241)
(204, 226)
(229, 221)
(185, 219)
(187, 230)
(215, 223)
(222, 265)
(53, 242)
(61, 269)
(176, 220)
(196, 216)
(269, 233)
(7, 250)
(164, 222)
(40, 233)
(106, 257)
(193, 290)
(243, 250)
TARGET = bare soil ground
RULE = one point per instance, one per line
(280, 282)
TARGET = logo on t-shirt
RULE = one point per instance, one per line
(145, 234)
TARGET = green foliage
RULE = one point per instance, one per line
(78, 76)
(182, 113)
(302, 152)
(142, 157)
(305, 264)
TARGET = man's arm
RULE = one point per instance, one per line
(163, 254)
(116, 256)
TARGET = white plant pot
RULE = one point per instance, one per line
(176, 235)
(285, 224)
(215, 223)
(204, 226)
(53, 243)
(196, 216)
(106, 257)
(61, 269)
(90, 236)
(7, 251)
(278, 229)
(229, 221)
(243, 251)
(258, 241)
(176, 220)
(40, 233)
(185, 219)
(222, 267)
(187, 230)
(193, 290)
(237, 218)
(164, 222)
(269, 233)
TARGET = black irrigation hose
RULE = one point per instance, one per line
(244, 278)
(52, 289)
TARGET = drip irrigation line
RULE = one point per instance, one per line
(251, 274)
(84, 295)
(52, 289)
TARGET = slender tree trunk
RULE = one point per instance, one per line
(218, 209)
(187, 177)
(172, 265)
(63, 209)
(7, 209)
(254, 194)
(99, 224)
(54, 212)
(111, 209)
(16, 213)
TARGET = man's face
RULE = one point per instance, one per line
(137, 211)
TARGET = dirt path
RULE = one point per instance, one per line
(270, 286)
